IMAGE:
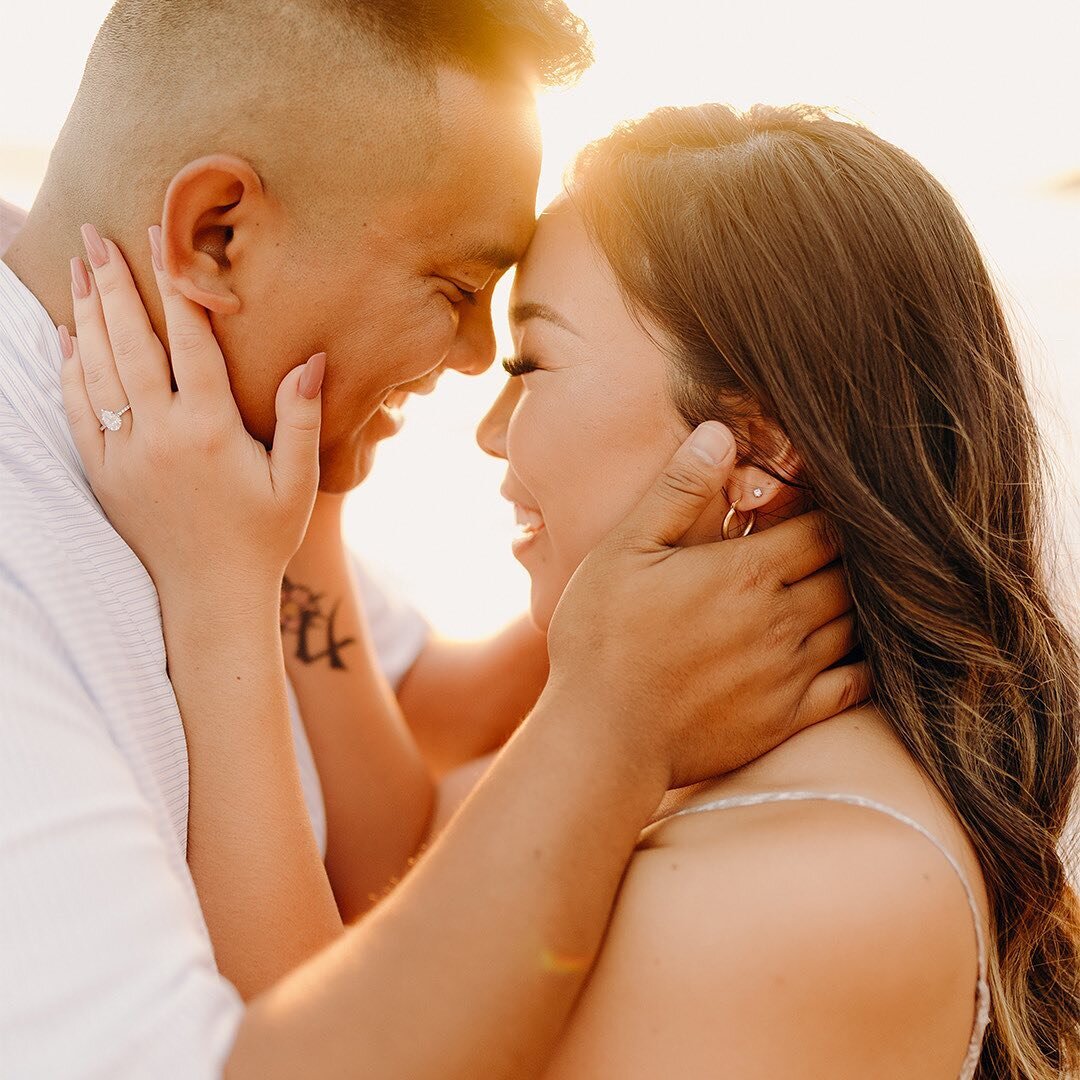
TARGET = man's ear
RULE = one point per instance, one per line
(210, 204)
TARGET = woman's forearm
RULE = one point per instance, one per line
(251, 851)
(378, 793)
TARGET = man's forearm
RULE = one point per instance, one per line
(377, 791)
(465, 699)
(470, 968)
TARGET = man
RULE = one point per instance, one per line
(350, 178)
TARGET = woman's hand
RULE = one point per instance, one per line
(215, 519)
(203, 504)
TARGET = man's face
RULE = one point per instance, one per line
(386, 287)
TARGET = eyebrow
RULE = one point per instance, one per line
(529, 309)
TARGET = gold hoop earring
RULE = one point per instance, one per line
(731, 517)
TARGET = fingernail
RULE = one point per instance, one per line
(155, 247)
(80, 280)
(66, 348)
(311, 378)
(95, 246)
(712, 442)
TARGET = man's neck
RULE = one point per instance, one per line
(41, 253)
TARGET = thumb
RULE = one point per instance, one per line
(294, 457)
(692, 480)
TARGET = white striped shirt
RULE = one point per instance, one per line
(106, 968)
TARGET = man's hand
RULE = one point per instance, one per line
(706, 656)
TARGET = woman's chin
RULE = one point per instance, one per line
(543, 600)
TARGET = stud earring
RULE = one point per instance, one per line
(758, 493)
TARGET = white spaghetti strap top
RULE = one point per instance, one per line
(982, 989)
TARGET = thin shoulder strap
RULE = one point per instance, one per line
(982, 991)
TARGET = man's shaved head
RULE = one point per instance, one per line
(339, 176)
(286, 84)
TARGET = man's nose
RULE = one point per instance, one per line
(491, 434)
(474, 346)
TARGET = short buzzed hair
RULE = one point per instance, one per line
(283, 82)
(483, 37)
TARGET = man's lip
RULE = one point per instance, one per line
(422, 386)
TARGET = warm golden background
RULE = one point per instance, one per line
(987, 95)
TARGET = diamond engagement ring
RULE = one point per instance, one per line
(113, 420)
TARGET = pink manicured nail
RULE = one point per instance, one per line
(155, 247)
(95, 246)
(311, 378)
(80, 280)
(67, 350)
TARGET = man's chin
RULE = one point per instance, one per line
(342, 469)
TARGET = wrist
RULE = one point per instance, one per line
(221, 603)
(616, 754)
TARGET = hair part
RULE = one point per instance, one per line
(803, 270)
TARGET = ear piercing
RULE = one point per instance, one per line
(758, 493)
(726, 531)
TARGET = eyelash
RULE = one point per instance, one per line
(464, 295)
(519, 365)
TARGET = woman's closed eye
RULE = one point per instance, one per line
(519, 365)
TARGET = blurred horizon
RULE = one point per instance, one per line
(986, 100)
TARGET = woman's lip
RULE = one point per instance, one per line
(525, 538)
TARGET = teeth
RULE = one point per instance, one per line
(528, 519)
(526, 532)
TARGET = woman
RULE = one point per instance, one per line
(859, 901)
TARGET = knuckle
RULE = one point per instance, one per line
(96, 376)
(823, 533)
(779, 633)
(307, 422)
(682, 481)
(157, 449)
(209, 435)
(186, 338)
(849, 695)
(756, 573)
(107, 285)
(77, 413)
(125, 344)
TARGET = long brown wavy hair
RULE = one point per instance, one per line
(802, 269)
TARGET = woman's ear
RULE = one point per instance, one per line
(207, 204)
(769, 495)
(765, 492)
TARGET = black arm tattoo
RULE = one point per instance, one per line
(302, 615)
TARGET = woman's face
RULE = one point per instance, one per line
(588, 430)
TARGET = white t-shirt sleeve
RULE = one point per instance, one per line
(106, 970)
(398, 631)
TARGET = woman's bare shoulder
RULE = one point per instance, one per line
(806, 940)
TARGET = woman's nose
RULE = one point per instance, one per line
(491, 434)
